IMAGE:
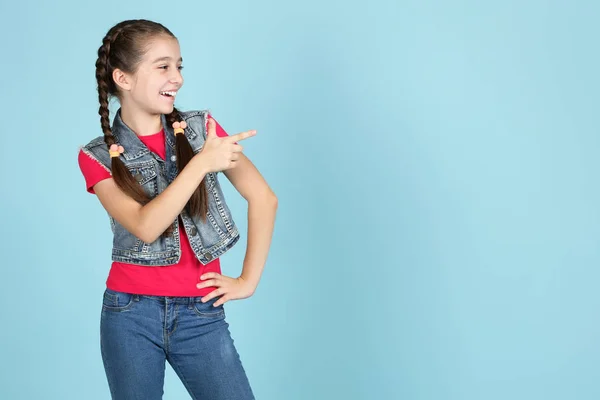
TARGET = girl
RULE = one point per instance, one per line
(155, 173)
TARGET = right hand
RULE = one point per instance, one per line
(221, 153)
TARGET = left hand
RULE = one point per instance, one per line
(226, 287)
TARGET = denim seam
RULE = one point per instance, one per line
(215, 314)
(90, 155)
(165, 336)
(176, 323)
(119, 308)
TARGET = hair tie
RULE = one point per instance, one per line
(178, 127)
(115, 150)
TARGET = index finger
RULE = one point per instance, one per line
(242, 136)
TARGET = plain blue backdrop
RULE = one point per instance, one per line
(436, 168)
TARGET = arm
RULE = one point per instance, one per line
(262, 206)
(148, 222)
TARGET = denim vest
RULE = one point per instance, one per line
(209, 239)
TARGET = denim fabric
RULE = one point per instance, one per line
(139, 333)
(209, 239)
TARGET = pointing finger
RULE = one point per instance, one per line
(242, 136)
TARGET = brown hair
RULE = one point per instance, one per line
(123, 47)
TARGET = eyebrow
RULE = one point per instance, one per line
(165, 59)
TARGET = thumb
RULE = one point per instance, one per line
(212, 128)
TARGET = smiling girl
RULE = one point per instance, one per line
(155, 172)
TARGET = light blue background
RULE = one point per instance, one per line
(436, 166)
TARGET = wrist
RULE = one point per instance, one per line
(200, 164)
(248, 280)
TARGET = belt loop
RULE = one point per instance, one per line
(136, 297)
(190, 302)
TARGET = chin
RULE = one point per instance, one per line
(165, 109)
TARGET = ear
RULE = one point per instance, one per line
(122, 80)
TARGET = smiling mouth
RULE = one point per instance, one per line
(169, 93)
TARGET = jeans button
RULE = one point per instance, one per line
(193, 230)
(208, 256)
(138, 177)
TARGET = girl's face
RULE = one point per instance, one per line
(154, 85)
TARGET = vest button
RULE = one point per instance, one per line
(208, 256)
(173, 158)
(138, 177)
(193, 231)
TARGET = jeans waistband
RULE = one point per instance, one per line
(162, 299)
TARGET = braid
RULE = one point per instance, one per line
(120, 172)
(197, 205)
(103, 90)
(104, 79)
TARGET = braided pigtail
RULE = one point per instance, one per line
(120, 172)
(197, 204)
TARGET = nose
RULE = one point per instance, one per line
(177, 78)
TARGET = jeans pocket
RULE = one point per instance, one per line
(206, 310)
(116, 301)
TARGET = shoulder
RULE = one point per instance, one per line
(198, 121)
(196, 124)
(97, 150)
(95, 143)
(195, 119)
(193, 114)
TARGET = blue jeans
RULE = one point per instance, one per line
(138, 333)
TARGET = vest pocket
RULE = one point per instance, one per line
(145, 174)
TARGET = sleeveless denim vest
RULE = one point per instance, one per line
(209, 239)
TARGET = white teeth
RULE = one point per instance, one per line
(172, 94)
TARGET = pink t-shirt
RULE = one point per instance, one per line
(175, 280)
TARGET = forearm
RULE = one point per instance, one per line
(261, 222)
(159, 213)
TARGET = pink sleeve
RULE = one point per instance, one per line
(220, 131)
(92, 171)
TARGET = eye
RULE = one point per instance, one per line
(166, 66)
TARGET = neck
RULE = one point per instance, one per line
(141, 122)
